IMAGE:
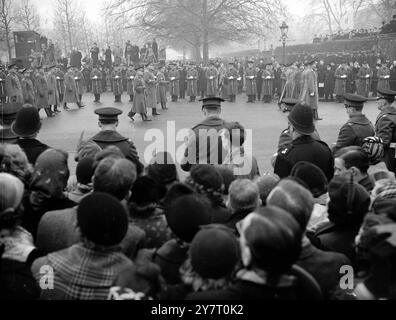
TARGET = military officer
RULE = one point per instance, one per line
(385, 126)
(383, 77)
(250, 79)
(174, 76)
(96, 80)
(268, 83)
(161, 89)
(8, 112)
(130, 76)
(363, 84)
(358, 126)
(212, 80)
(28, 88)
(304, 147)
(53, 95)
(116, 77)
(79, 79)
(3, 92)
(211, 152)
(340, 76)
(151, 89)
(108, 136)
(71, 95)
(139, 99)
(309, 94)
(42, 92)
(60, 82)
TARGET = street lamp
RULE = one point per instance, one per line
(284, 30)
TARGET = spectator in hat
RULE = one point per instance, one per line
(316, 182)
(207, 180)
(243, 164)
(27, 126)
(212, 259)
(146, 212)
(185, 215)
(108, 136)
(349, 204)
(374, 148)
(8, 112)
(87, 269)
(14, 161)
(17, 250)
(358, 126)
(243, 198)
(213, 153)
(114, 176)
(270, 242)
(323, 266)
(84, 173)
(46, 189)
(303, 146)
(353, 161)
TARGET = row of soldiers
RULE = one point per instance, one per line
(45, 87)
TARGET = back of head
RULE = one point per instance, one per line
(294, 199)
(356, 158)
(145, 191)
(85, 170)
(274, 239)
(109, 152)
(102, 219)
(265, 185)
(214, 252)
(312, 176)
(349, 202)
(12, 190)
(244, 195)
(186, 214)
(114, 176)
(162, 168)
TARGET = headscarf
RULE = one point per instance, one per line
(49, 178)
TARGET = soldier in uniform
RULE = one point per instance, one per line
(28, 88)
(309, 93)
(268, 83)
(130, 75)
(340, 76)
(212, 152)
(96, 80)
(3, 91)
(13, 85)
(192, 83)
(212, 80)
(71, 95)
(329, 82)
(151, 89)
(42, 92)
(108, 136)
(139, 99)
(250, 79)
(364, 76)
(8, 112)
(116, 77)
(60, 82)
(232, 85)
(174, 77)
(79, 79)
(304, 147)
(53, 96)
(86, 72)
(358, 126)
(162, 87)
(385, 126)
(383, 77)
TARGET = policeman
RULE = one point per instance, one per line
(8, 112)
(358, 127)
(385, 125)
(211, 152)
(304, 147)
(108, 136)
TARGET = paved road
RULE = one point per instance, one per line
(265, 120)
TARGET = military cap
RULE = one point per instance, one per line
(8, 111)
(211, 102)
(354, 100)
(290, 102)
(22, 70)
(109, 114)
(10, 66)
(386, 93)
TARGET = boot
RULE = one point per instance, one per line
(65, 107)
(155, 113)
(131, 115)
(49, 112)
(145, 118)
(56, 109)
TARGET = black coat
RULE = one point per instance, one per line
(304, 148)
(392, 79)
(33, 148)
(113, 138)
(329, 82)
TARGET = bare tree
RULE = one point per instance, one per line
(200, 23)
(7, 19)
(383, 8)
(66, 14)
(27, 17)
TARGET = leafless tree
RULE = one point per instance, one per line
(7, 19)
(385, 9)
(200, 23)
(66, 20)
(27, 17)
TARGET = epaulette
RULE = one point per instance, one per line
(285, 149)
